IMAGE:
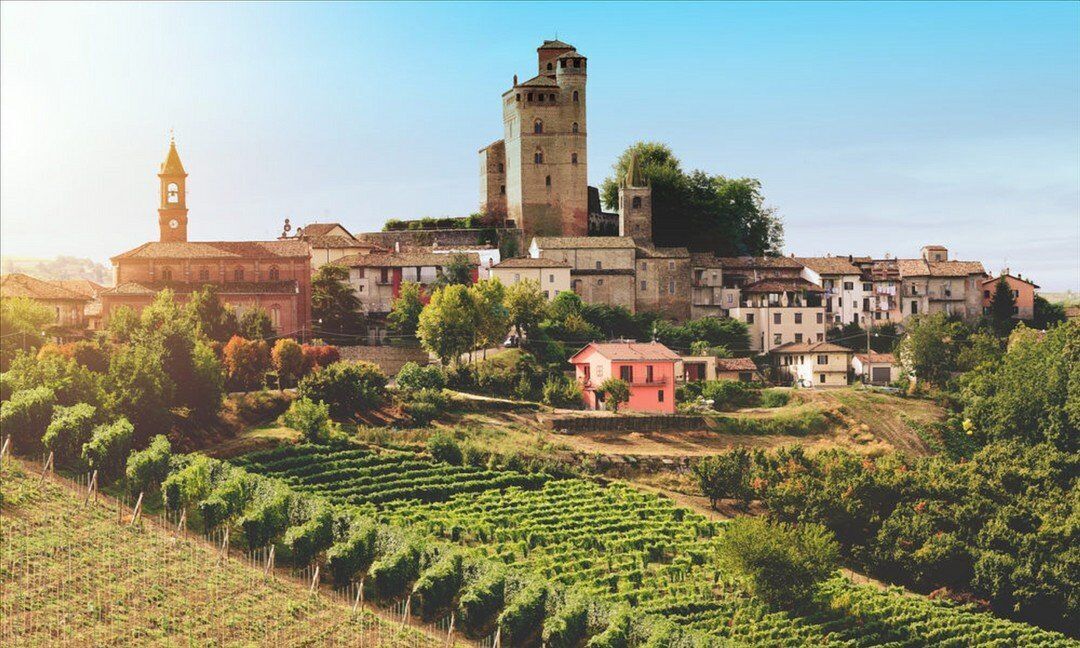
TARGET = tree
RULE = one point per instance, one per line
(525, 304)
(781, 563)
(288, 359)
(213, 319)
(405, 311)
(256, 325)
(148, 468)
(69, 429)
(246, 362)
(444, 447)
(334, 306)
(449, 324)
(347, 387)
(1002, 307)
(22, 326)
(493, 318)
(1046, 314)
(707, 213)
(614, 392)
(310, 418)
(70, 382)
(457, 272)
(413, 377)
(725, 476)
(123, 323)
(108, 449)
(25, 417)
(930, 346)
(139, 389)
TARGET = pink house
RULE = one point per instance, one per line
(1023, 292)
(648, 367)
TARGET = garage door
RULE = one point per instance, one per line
(879, 374)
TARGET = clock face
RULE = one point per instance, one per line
(174, 223)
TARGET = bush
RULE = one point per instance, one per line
(730, 394)
(391, 575)
(781, 563)
(260, 406)
(68, 431)
(445, 448)
(354, 554)
(614, 391)
(288, 360)
(524, 612)
(561, 391)
(314, 535)
(437, 586)
(775, 397)
(7, 385)
(724, 476)
(347, 387)
(482, 597)
(148, 468)
(310, 418)
(108, 448)
(26, 416)
(71, 382)
(228, 499)
(317, 357)
(421, 412)
(414, 377)
(268, 516)
(568, 627)
(188, 485)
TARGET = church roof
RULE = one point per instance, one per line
(322, 229)
(287, 286)
(541, 81)
(20, 285)
(82, 286)
(555, 44)
(172, 165)
(571, 54)
(218, 250)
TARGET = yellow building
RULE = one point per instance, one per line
(552, 275)
(815, 364)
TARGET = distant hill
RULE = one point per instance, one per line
(1068, 298)
(62, 267)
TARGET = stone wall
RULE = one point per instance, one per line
(444, 237)
(622, 423)
(390, 359)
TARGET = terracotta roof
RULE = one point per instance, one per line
(529, 262)
(402, 259)
(735, 364)
(539, 81)
(811, 347)
(229, 288)
(704, 260)
(630, 351)
(321, 229)
(571, 54)
(592, 242)
(288, 248)
(923, 268)
(749, 262)
(829, 265)
(555, 44)
(82, 286)
(780, 284)
(883, 358)
(339, 242)
(650, 252)
(990, 280)
(20, 285)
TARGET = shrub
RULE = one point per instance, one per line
(148, 468)
(347, 387)
(437, 586)
(781, 563)
(561, 391)
(482, 597)
(228, 499)
(314, 535)
(614, 391)
(260, 406)
(7, 385)
(524, 612)
(353, 554)
(108, 449)
(246, 362)
(775, 397)
(310, 418)
(268, 516)
(68, 431)
(568, 627)
(729, 394)
(318, 356)
(392, 573)
(414, 377)
(26, 416)
(71, 382)
(288, 360)
(421, 412)
(189, 485)
(724, 476)
(445, 448)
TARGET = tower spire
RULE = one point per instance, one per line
(172, 211)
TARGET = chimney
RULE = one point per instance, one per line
(397, 246)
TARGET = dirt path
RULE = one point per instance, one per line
(884, 416)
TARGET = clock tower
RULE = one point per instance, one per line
(172, 214)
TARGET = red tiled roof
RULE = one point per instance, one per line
(20, 285)
(811, 347)
(82, 286)
(923, 268)
(735, 364)
(883, 358)
(829, 265)
(403, 259)
(288, 248)
(630, 351)
(321, 229)
(990, 280)
(229, 288)
(780, 284)
(749, 262)
(529, 262)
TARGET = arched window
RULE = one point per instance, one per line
(275, 317)
(166, 274)
(636, 202)
(502, 190)
(573, 158)
(549, 66)
(529, 96)
(274, 273)
(238, 274)
(564, 62)
(574, 128)
(172, 193)
(551, 97)
(538, 157)
(204, 273)
(501, 168)
(547, 181)
(542, 97)
(538, 126)
(575, 95)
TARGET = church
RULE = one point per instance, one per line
(272, 275)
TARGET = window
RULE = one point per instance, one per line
(648, 373)
(563, 62)
(501, 168)
(577, 63)
(777, 339)
(204, 273)
(172, 193)
(547, 181)
(636, 202)
(749, 317)
(798, 318)
(986, 294)
(538, 157)
(867, 287)
(549, 66)
(644, 284)
(660, 395)
(574, 128)
(542, 97)
(551, 278)
(517, 277)
(599, 282)
(820, 318)
(238, 274)
(670, 265)
(599, 265)
(573, 158)
(626, 373)
(823, 359)
(361, 273)
(547, 294)
(502, 190)
(166, 274)
(776, 318)
(274, 274)
(529, 97)
(849, 285)
(821, 378)
(671, 287)
(798, 337)
(575, 91)
(914, 308)
(275, 316)
(644, 265)
(538, 127)
(551, 97)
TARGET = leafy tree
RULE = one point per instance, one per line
(493, 321)
(443, 447)
(70, 428)
(148, 468)
(213, 319)
(90, 354)
(22, 327)
(725, 476)
(310, 418)
(883, 338)
(319, 356)
(781, 563)
(930, 347)
(615, 391)
(70, 382)
(288, 359)
(405, 311)
(979, 348)
(108, 448)
(564, 305)
(526, 305)
(449, 323)
(1002, 305)
(1046, 314)
(246, 362)
(708, 213)
(457, 272)
(346, 387)
(560, 391)
(256, 325)
(702, 348)
(123, 323)
(25, 416)
(334, 306)
(413, 377)
(715, 331)
(139, 389)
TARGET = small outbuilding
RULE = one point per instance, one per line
(875, 368)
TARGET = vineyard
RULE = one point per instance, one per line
(608, 562)
(73, 573)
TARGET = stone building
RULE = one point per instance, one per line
(66, 303)
(847, 296)
(813, 364)
(780, 311)
(602, 268)
(329, 242)
(934, 283)
(662, 283)
(1023, 292)
(536, 177)
(272, 275)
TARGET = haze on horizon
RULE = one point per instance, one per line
(874, 128)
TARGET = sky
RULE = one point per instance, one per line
(874, 128)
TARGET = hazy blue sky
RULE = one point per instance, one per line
(874, 127)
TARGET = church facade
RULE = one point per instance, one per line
(272, 275)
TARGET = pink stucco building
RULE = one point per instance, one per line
(648, 367)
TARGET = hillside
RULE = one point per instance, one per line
(73, 575)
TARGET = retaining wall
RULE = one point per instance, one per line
(389, 358)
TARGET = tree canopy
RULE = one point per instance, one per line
(334, 306)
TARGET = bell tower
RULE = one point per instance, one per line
(635, 204)
(172, 214)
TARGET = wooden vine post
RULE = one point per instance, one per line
(315, 581)
(269, 569)
(138, 510)
(4, 448)
(182, 524)
(450, 631)
(405, 612)
(91, 489)
(48, 466)
(359, 597)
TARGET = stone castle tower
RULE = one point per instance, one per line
(172, 214)
(635, 204)
(536, 177)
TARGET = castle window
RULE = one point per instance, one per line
(551, 97)
(542, 96)
(274, 273)
(204, 273)
(502, 190)
(517, 97)
(500, 167)
(172, 193)
(573, 158)
(574, 128)
(577, 63)
(575, 95)
(549, 66)
(547, 181)
(238, 274)
(166, 274)
(538, 157)
(636, 202)
(538, 126)
(529, 96)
